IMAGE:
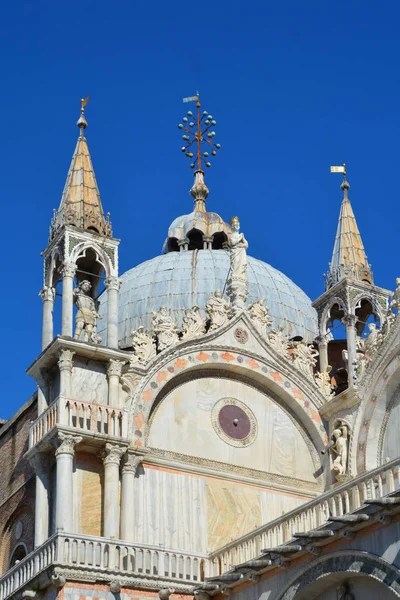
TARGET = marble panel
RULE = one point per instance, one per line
(89, 382)
(391, 445)
(182, 423)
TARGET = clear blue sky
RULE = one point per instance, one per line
(294, 87)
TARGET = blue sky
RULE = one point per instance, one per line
(294, 87)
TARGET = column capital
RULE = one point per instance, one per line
(322, 339)
(67, 443)
(115, 367)
(113, 283)
(68, 269)
(65, 360)
(47, 293)
(131, 462)
(349, 320)
(112, 454)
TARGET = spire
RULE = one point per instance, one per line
(348, 257)
(80, 202)
(198, 132)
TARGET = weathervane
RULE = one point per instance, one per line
(340, 169)
(84, 102)
(197, 132)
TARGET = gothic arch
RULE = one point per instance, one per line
(327, 311)
(347, 563)
(102, 258)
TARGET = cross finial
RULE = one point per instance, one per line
(197, 132)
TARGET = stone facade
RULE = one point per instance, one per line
(206, 446)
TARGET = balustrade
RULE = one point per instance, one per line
(84, 416)
(341, 500)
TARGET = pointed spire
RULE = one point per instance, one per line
(80, 202)
(348, 257)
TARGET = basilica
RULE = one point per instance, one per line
(200, 428)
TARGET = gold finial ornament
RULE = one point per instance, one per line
(84, 102)
(234, 220)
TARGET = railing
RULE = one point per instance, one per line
(102, 555)
(84, 416)
(343, 499)
(27, 568)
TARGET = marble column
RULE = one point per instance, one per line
(65, 363)
(114, 371)
(48, 295)
(64, 488)
(40, 463)
(129, 467)
(323, 352)
(43, 392)
(349, 321)
(111, 460)
(112, 284)
(68, 274)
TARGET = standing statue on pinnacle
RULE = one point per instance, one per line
(87, 313)
(238, 245)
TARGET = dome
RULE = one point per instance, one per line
(180, 280)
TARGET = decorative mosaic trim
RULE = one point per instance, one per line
(217, 357)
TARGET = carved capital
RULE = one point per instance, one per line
(112, 454)
(131, 462)
(67, 443)
(115, 367)
(68, 269)
(349, 320)
(65, 360)
(47, 294)
(113, 283)
(322, 340)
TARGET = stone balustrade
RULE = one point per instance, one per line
(342, 499)
(105, 558)
(83, 416)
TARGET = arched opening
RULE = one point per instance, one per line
(219, 240)
(195, 238)
(89, 269)
(337, 347)
(172, 245)
(93, 230)
(18, 554)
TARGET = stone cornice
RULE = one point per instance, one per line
(345, 400)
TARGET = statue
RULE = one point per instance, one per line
(389, 320)
(279, 341)
(193, 323)
(305, 357)
(218, 310)
(238, 245)
(395, 303)
(87, 313)
(144, 346)
(165, 329)
(260, 316)
(323, 382)
(372, 342)
(339, 448)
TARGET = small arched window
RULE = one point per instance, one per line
(19, 552)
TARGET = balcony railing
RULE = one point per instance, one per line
(105, 558)
(341, 500)
(83, 416)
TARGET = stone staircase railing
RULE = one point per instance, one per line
(340, 500)
(83, 416)
(104, 558)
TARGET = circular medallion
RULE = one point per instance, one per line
(18, 530)
(241, 335)
(234, 422)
